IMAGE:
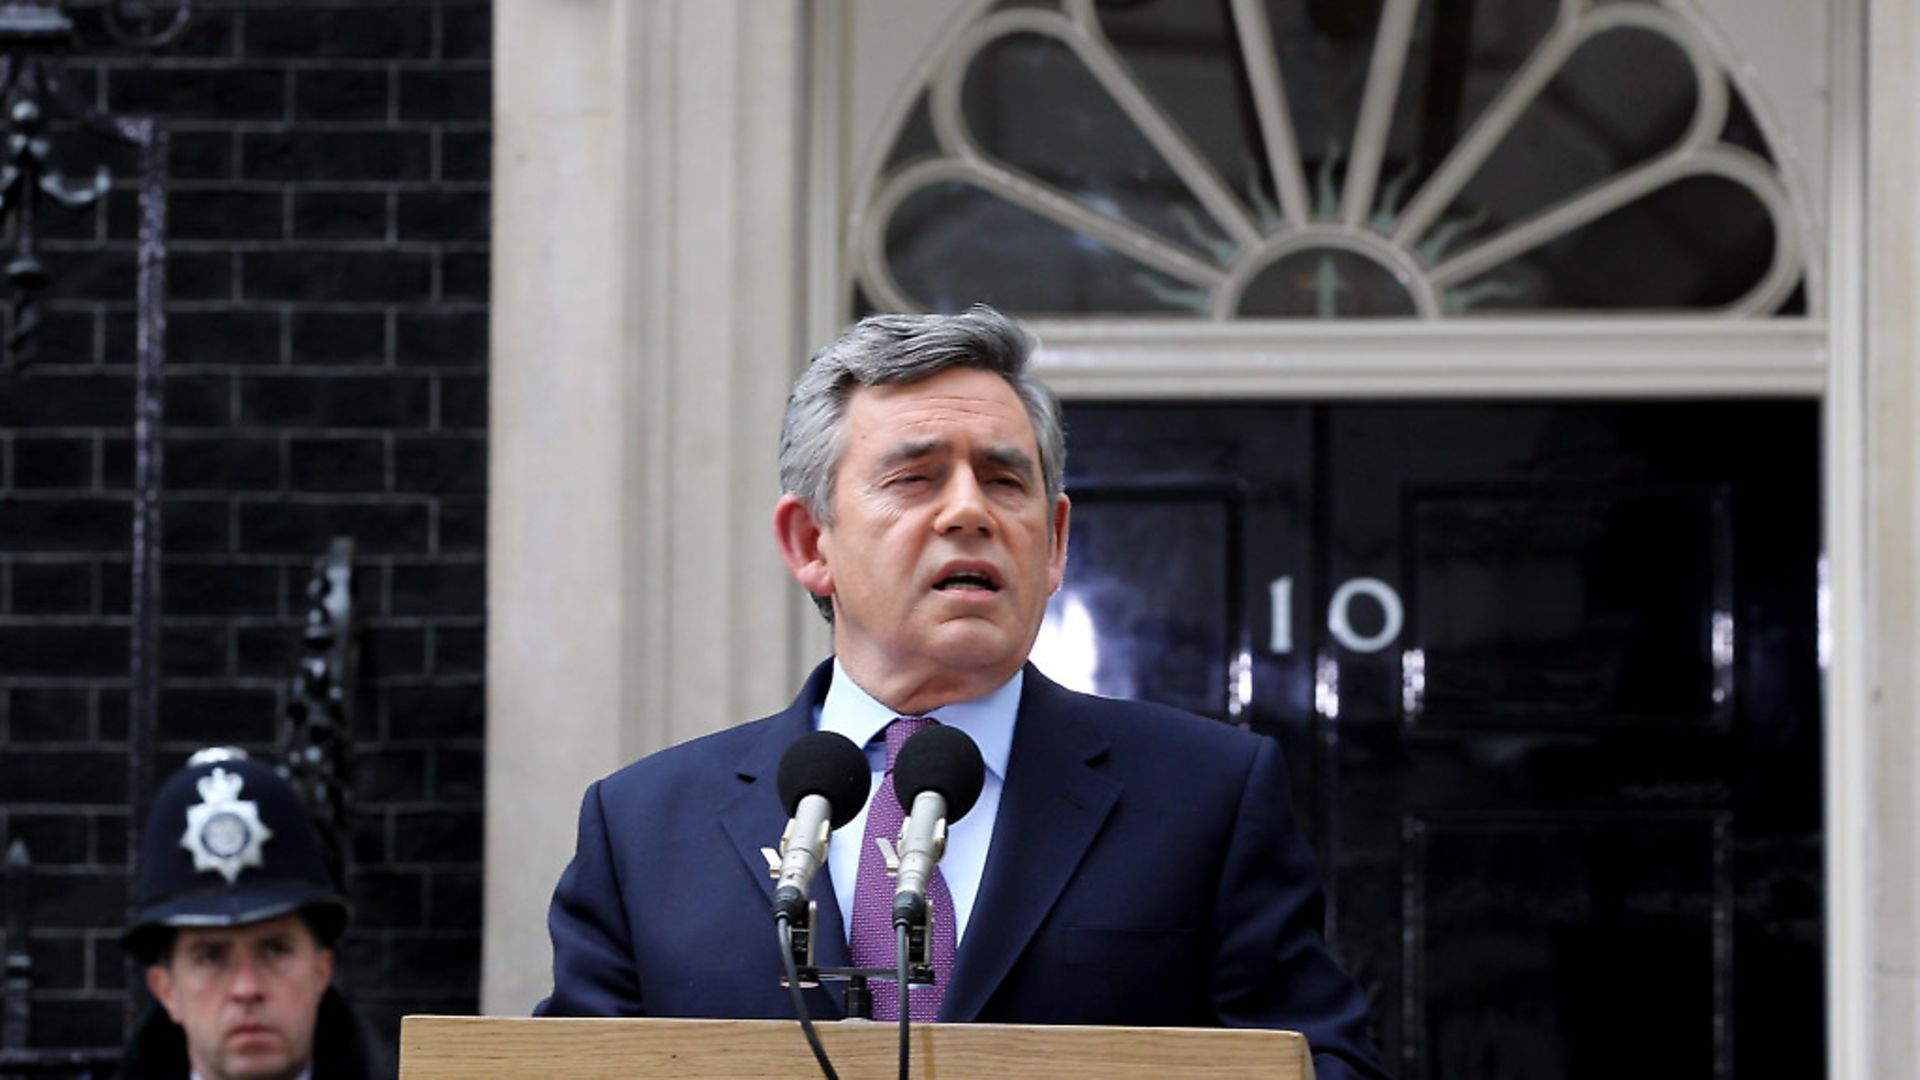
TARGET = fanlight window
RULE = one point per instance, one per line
(1329, 158)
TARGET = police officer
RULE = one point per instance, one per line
(235, 917)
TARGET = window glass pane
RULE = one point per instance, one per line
(1623, 97)
(916, 141)
(1463, 54)
(1324, 48)
(1742, 129)
(1325, 283)
(951, 245)
(1185, 53)
(1702, 242)
(1031, 103)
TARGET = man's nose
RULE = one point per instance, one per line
(246, 981)
(965, 505)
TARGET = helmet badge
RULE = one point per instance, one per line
(224, 831)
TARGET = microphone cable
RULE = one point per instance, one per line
(900, 954)
(800, 1001)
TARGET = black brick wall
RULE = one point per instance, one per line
(327, 349)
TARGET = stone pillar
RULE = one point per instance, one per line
(1892, 514)
(645, 322)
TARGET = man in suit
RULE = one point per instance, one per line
(1125, 863)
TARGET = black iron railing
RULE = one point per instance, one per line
(48, 135)
(317, 740)
(17, 1057)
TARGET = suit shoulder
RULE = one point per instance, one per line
(696, 761)
(1150, 725)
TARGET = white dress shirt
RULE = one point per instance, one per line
(988, 721)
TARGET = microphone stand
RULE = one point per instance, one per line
(915, 968)
(858, 997)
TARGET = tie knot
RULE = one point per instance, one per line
(900, 731)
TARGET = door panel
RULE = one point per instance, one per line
(1521, 929)
(1546, 675)
(1181, 516)
(1182, 536)
(1533, 608)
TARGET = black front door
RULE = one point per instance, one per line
(1548, 679)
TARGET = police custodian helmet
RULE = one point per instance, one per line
(227, 843)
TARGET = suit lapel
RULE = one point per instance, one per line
(753, 818)
(1052, 806)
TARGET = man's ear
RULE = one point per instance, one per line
(799, 536)
(326, 964)
(160, 985)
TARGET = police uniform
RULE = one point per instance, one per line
(228, 843)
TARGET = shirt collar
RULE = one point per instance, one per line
(851, 711)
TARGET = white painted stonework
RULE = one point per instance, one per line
(645, 330)
(1890, 917)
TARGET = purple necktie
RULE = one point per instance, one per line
(873, 943)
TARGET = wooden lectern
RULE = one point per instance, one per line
(470, 1047)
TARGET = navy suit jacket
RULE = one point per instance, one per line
(1145, 869)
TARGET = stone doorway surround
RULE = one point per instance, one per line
(646, 306)
(657, 282)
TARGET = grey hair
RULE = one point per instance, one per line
(882, 350)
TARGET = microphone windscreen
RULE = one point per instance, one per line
(827, 764)
(939, 758)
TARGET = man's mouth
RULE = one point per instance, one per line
(967, 580)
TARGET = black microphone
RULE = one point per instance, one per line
(936, 776)
(823, 783)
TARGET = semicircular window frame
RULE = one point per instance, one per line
(1413, 242)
